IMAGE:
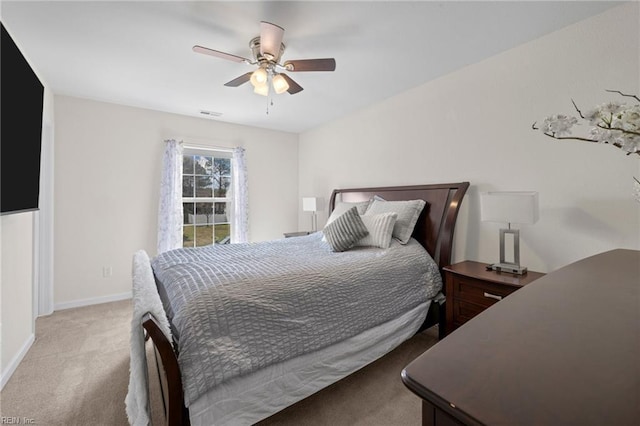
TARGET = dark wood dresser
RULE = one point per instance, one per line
(564, 351)
(471, 289)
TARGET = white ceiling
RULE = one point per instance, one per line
(139, 53)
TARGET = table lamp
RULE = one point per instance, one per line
(312, 204)
(510, 207)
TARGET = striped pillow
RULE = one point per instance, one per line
(380, 227)
(345, 230)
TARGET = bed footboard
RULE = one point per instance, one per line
(166, 361)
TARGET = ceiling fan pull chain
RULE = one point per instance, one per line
(269, 103)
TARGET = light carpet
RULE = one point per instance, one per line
(77, 371)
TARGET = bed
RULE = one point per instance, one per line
(263, 369)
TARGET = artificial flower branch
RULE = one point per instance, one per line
(612, 123)
(578, 138)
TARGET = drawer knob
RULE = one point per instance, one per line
(492, 296)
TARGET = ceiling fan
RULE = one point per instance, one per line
(267, 51)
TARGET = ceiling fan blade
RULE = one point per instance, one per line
(326, 64)
(270, 39)
(293, 86)
(239, 80)
(218, 54)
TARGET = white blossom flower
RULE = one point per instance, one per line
(558, 125)
(628, 119)
(601, 135)
(602, 114)
(627, 142)
(630, 144)
(611, 107)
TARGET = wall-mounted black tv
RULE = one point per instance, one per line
(21, 94)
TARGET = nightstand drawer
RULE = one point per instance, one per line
(479, 292)
(464, 311)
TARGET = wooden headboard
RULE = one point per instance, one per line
(435, 226)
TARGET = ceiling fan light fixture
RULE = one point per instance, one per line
(259, 77)
(280, 85)
(262, 89)
(267, 49)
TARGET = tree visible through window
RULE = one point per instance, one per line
(206, 201)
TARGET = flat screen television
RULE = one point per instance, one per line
(22, 97)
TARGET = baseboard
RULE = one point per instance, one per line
(17, 359)
(92, 301)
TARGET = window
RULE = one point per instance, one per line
(206, 197)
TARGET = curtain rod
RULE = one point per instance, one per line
(206, 147)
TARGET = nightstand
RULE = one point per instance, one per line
(296, 234)
(471, 289)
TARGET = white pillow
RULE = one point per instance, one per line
(380, 227)
(340, 208)
(408, 213)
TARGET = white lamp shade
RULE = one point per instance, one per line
(280, 85)
(509, 207)
(310, 204)
(258, 77)
(262, 89)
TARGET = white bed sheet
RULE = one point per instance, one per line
(256, 396)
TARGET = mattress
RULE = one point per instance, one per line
(248, 399)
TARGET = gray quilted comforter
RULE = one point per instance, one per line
(240, 307)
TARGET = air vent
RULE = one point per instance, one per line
(211, 113)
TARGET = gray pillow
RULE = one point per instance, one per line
(345, 230)
(380, 227)
(408, 213)
(340, 208)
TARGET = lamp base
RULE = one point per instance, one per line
(511, 268)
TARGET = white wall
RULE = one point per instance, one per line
(17, 289)
(107, 172)
(475, 125)
(19, 271)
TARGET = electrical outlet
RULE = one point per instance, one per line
(107, 271)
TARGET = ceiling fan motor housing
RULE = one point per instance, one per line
(254, 44)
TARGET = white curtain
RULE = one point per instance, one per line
(170, 211)
(240, 217)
